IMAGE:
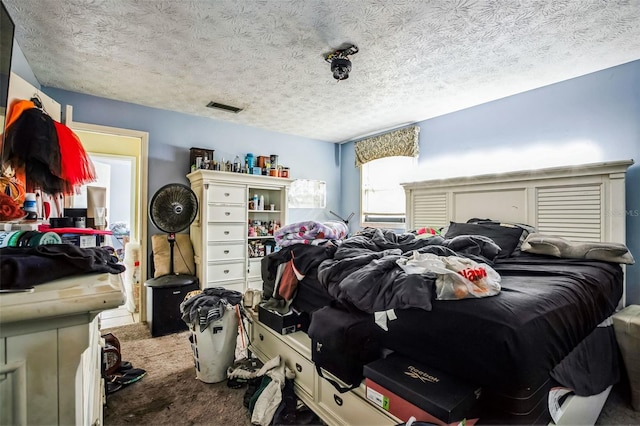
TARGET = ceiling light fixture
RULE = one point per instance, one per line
(340, 63)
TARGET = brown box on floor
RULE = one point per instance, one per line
(626, 325)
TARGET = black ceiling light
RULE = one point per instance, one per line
(340, 63)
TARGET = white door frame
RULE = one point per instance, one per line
(142, 190)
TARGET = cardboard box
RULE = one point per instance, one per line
(626, 325)
(406, 388)
(81, 240)
(283, 324)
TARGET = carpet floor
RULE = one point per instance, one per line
(170, 394)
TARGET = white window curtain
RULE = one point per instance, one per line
(402, 142)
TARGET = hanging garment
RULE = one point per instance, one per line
(32, 142)
(16, 109)
(76, 166)
(50, 154)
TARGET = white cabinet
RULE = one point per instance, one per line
(335, 408)
(50, 351)
(230, 232)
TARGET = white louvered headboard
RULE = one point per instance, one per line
(580, 203)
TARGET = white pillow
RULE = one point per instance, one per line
(560, 247)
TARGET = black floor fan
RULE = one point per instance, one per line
(173, 208)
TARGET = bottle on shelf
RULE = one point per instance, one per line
(255, 202)
(261, 203)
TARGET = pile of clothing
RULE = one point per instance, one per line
(270, 397)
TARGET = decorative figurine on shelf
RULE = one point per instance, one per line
(252, 232)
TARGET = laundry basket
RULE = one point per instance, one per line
(213, 342)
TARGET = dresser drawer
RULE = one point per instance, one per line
(231, 285)
(226, 252)
(226, 232)
(350, 408)
(225, 272)
(266, 341)
(255, 284)
(227, 194)
(226, 213)
(255, 268)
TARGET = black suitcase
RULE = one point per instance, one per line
(342, 342)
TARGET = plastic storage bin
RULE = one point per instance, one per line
(214, 347)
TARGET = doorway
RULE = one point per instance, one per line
(125, 153)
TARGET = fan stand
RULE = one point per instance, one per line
(171, 237)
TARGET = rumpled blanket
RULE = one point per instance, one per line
(208, 306)
(365, 273)
(24, 267)
(310, 232)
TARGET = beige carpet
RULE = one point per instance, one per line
(169, 393)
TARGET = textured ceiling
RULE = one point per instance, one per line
(417, 59)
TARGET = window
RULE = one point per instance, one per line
(310, 194)
(382, 200)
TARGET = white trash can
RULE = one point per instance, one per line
(214, 347)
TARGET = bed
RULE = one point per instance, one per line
(550, 323)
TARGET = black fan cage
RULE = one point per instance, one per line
(173, 208)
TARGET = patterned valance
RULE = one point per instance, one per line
(401, 142)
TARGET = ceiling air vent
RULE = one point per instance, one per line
(224, 107)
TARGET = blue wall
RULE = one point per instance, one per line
(599, 112)
(171, 134)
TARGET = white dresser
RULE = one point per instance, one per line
(220, 232)
(50, 351)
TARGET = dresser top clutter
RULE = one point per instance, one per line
(265, 165)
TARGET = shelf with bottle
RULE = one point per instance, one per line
(257, 249)
(258, 229)
(266, 212)
(264, 201)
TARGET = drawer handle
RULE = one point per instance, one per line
(337, 399)
(261, 336)
(226, 252)
(226, 271)
(226, 194)
(226, 232)
(227, 213)
(298, 368)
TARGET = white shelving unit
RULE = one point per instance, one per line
(220, 232)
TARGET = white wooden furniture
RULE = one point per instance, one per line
(50, 351)
(579, 203)
(584, 203)
(220, 232)
(335, 408)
